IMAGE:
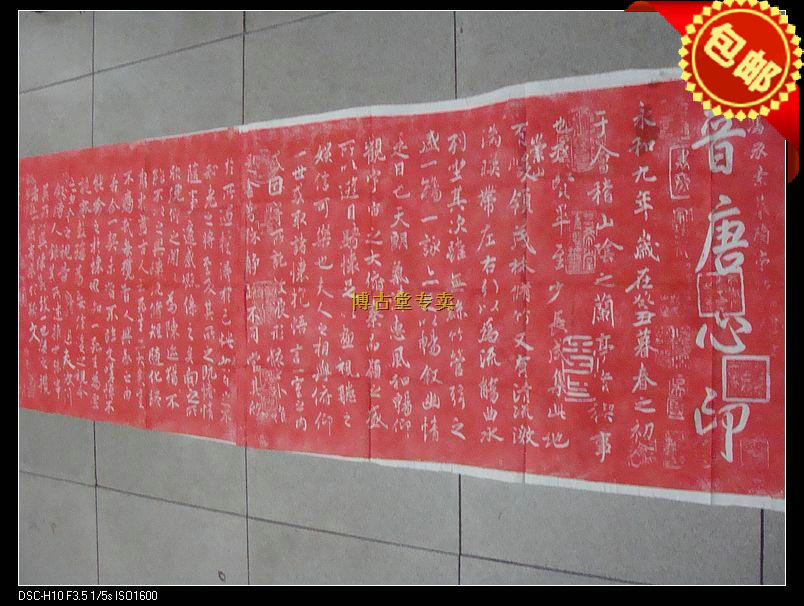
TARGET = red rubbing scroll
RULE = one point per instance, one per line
(586, 288)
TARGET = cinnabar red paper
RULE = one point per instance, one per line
(584, 288)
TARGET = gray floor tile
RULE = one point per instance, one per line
(475, 571)
(497, 49)
(632, 538)
(173, 467)
(145, 541)
(281, 554)
(56, 532)
(417, 508)
(773, 559)
(348, 59)
(56, 118)
(259, 19)
(192, 90)
(123, 37)
(54, 46)
(58, 446)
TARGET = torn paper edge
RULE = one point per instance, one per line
(516, 477)
(541, 88)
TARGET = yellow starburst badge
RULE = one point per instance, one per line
(740, 58)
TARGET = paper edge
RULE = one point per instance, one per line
(536, 88)
(516, 477)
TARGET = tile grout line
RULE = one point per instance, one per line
(560, 570)
(455, 91)
(248, 550)
(97, 521)
(353, 536)
(92, 132)
(243, 75)
(165, 54)
(455, 51)
(135, 62)
(460, 530)
(55, 478)
(169, 501)
(56, 83)
(291, 22)
(761, 546)
(169, 53)
(94, 423)
(245, 446)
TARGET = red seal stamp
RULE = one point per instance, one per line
(740, 58)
